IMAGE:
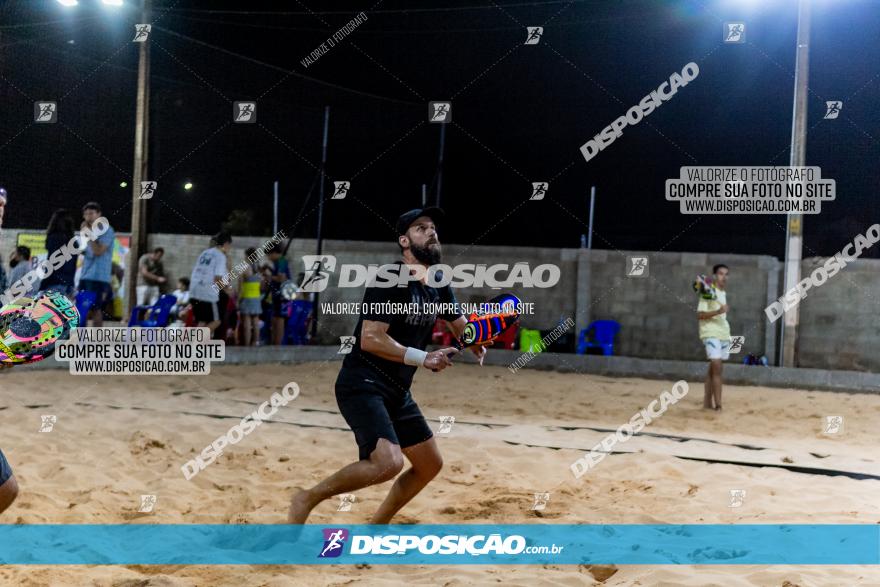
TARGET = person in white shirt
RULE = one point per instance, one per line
(206, 281)
(182, 295)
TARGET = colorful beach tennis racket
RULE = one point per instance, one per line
(705, 287)
(483, 328)
(30, 328)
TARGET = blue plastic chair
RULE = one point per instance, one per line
(156, 316)
(297, 331)
(84, 302)
(604, 332)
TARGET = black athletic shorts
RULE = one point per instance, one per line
(5, 469)
(374, 410)
(205, 311)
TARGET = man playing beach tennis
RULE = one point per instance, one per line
(372, 389)
(715, 334)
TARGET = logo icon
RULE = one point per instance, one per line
(45, 112)
(539, 190)
(737, 497)
(446, 423)
(533, 34)
(334, 540)
(736, 344)
(346, 500)
(832, 109)
(141, 32)
(541, 500)
(147, 504)
(346, 344)
(833, 424)
(244, 112)
(340, 189)
(48, 423)
(148, 189)
(440, 112)
(317, 273)
(636, 266)
(734, 32)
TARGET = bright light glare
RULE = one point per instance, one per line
(188, 186)
(112, 2)
(123, 184)
(68, 2)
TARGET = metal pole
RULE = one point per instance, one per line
(794, 228)
(592, 203)
(316, 306)
(424, 195)
(275, 210)
(440, 163)
(141, 131)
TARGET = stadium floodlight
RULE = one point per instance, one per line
(188, 186)
(68, 2)
(112, 2)
(123, 184)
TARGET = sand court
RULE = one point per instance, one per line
(115, 439)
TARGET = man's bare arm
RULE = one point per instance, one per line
(457, 326)
(376, 340)
(98, 248)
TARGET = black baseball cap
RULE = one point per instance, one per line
(407, 218)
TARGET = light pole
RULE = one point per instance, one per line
(794, 228)
(138, 242)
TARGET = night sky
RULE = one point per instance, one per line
(519, 114)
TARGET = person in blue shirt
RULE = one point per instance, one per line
(97, 269)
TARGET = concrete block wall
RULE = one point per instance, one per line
(840, 320)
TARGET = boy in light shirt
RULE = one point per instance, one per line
(715, 334)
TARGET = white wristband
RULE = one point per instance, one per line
(414, 357)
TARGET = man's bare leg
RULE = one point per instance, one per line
(97, 315)
(426, 463)
(708, 404)
(385, 462)
(716, 382)
(277, 330)
(254, 326)
(8, 493)
(212, 325)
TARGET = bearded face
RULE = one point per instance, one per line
(423, 242)
(428, 253)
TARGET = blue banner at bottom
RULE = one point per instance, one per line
(741, 544)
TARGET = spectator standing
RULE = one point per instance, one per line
(280, 274)
(249, 300)
(97, 269)
(151, 277)
(58, 235)
(205, 284)
(20, 262)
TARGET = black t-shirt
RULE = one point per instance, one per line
(411, 330)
